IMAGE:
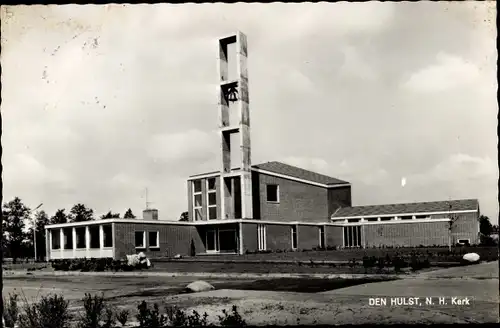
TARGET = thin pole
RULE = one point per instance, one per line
(34, 231)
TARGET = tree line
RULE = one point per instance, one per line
(17, 226)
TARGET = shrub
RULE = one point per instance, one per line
(232, 319)
(51, 311)
(195, 320)
(150, 318)
(122, 317)
(93, 314)
(11, 310)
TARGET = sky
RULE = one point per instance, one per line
(100, 103)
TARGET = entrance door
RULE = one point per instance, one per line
(212, 241)
(228, 241)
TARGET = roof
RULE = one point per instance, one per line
(297, 172)
(424, 207)
(293, 172)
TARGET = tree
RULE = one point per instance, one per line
(14, 215)
(184, 216)
(110, 215)
(129, 215)
(485, 231)
(485, 226)
(59, 217)
(41, 219)
(80, 213)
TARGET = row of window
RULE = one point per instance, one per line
(153, 239)
(272, 196)
(391, 218)
(80, 236)
(262, 239)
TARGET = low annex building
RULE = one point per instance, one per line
(269, 206)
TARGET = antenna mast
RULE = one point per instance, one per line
(147, 203)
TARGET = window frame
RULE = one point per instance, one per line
(67, 237)
(197, 193)
(277, 193)
(322, 240)
(157, 246)
(294, 236)
(143, 239)
(261, 237)
(78, 239)
(93, 244)
(210, 192)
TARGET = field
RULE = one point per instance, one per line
(291, 301)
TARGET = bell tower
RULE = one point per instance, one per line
(234, 126)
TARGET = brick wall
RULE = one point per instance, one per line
(174, 239)
(333, 236)
(279, 237)
(297, 201)
(308, 237)
(338, 197)
(406, 234)
(250, 239)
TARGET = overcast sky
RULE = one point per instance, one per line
(100, 102)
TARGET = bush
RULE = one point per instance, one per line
(51, 311)
(232, 319)
(11, 310)
(122, 317)
(150, 318)
(94, 312)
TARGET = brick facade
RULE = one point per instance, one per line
(174, 239)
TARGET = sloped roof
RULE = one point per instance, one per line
(292, 171)
(424, 207)
(297, 172)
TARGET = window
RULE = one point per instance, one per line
(353, 220)
(211, 199)
(197, 202)
(273, 193)
(406, 217)
(321, 237)
(386, 219)
(107, 230)
(371, 219)
(56, 239)
(352, 236)
(68, 238)
(140, 239)
(94, 236)
(80, 237)
(261, 235)
(422, 217)
(294, 237)
(154, 239)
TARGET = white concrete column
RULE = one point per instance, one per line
(87, 241)
(101, 236)
(48, 245)
(113, 239)
(61, 240)
(73, 236)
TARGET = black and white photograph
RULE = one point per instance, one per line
(249, 164)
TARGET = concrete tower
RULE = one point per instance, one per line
(236, 178)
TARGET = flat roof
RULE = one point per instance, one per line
(460, 205)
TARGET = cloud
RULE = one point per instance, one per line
(460, 167)
(449, 72)
(179, 147)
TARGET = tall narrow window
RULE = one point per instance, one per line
(154, 239)
(261, 235)
(321, 237)
(68, 238)
(211, 199)
(197, 202)
(294, 237)
(140, 239)
(80, 237)
(352, 236)
(273, 195)
(94, 236)
(56, 238)
(108, 235)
